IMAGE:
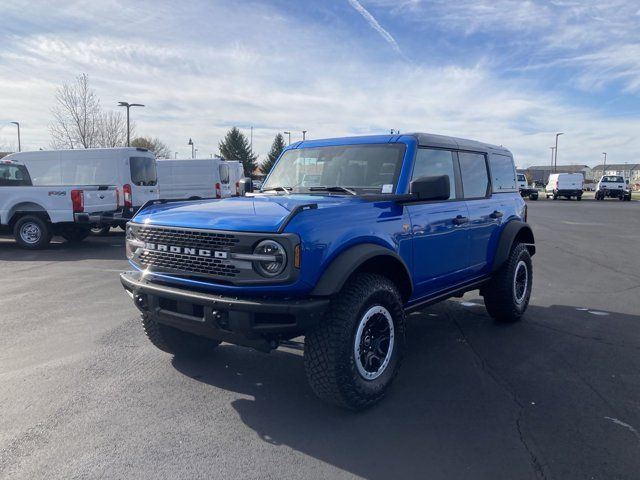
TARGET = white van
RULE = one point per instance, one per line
(236, 170)
(197, 178)
(131, 170)
(565, 185)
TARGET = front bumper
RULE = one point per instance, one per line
(255, 322)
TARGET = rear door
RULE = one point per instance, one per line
(485, 210)
(144, 179)
(440, 229)
(225, 179)
(570, 182)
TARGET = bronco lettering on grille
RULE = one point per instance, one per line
(199, 252)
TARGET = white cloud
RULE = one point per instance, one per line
(201, 70)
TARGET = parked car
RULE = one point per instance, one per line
(35, 213)
(525, 189)
(565, 185)
(613, 186)
(197, 178)
(394, 224)
(131, 170)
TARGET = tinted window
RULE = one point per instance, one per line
(14, 176)
(612, 178)
(143, 171)
(224, 173)
(475, 180)
(431, 162)
(521, 178)
(363, 168)
(503, 173)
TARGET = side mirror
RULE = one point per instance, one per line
(431, 188)
(245, 185)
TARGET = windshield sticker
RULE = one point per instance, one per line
(387, 188)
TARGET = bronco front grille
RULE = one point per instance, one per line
(188, 238)
(187, 263)
(215, 255)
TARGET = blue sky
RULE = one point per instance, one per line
(501, 71)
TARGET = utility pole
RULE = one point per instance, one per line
(17, 124)
(555, 167)
(128, 106)
(251, 141)
(175, 155)
(288, 133)
(304, 135)
(193, 152)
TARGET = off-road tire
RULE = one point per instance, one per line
(177, 342)
(76, 233)
(499, 294)
(42, 226)
(329, 356)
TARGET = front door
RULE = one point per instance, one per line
(440, 229)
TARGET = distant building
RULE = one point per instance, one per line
(540, 173)
(630, 171)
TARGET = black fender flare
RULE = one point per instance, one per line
(342, 267)
(514, 229)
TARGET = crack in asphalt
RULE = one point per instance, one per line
(535, 463)
(584, 337)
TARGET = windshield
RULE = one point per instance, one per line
(521, 178)
(143, 171)
(612, 178)
(363, 169)
(14, 176)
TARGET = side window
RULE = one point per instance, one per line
(475, 179)
(431, 162)
(503, 173)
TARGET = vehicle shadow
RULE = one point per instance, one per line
(474, 399)
(109, 247)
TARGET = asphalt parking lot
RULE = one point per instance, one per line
(84, 394)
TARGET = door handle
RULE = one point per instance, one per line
(496, 214)
(460, 220)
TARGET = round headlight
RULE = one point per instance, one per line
(275, 259)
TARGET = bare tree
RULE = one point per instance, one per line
(159, 148)
(113, 129)
(76, 116)
(80, 122)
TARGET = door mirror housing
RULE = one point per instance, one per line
(431, 188)
(245, 185)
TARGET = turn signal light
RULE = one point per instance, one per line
(296, 256)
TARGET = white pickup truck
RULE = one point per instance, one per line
(35, 213)
(613, 186)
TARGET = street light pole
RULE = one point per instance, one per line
(304, 135)
(605, 161)
(128, 106)
(175, 155)
(17, 124)
(555, 167)
(193, 152)
(553, 149)
(288, 133)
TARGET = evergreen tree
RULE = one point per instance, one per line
(235, 146)
(276, 149)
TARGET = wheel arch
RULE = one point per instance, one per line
(365, 257)
(514, 231)
(26, 208)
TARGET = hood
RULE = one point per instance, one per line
(262, 213)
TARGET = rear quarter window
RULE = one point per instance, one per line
(14, 176)
(503, 173)
(143, 171)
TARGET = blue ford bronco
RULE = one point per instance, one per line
(346, 236)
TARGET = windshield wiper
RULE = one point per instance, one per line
(335, 188)
(278, 189)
